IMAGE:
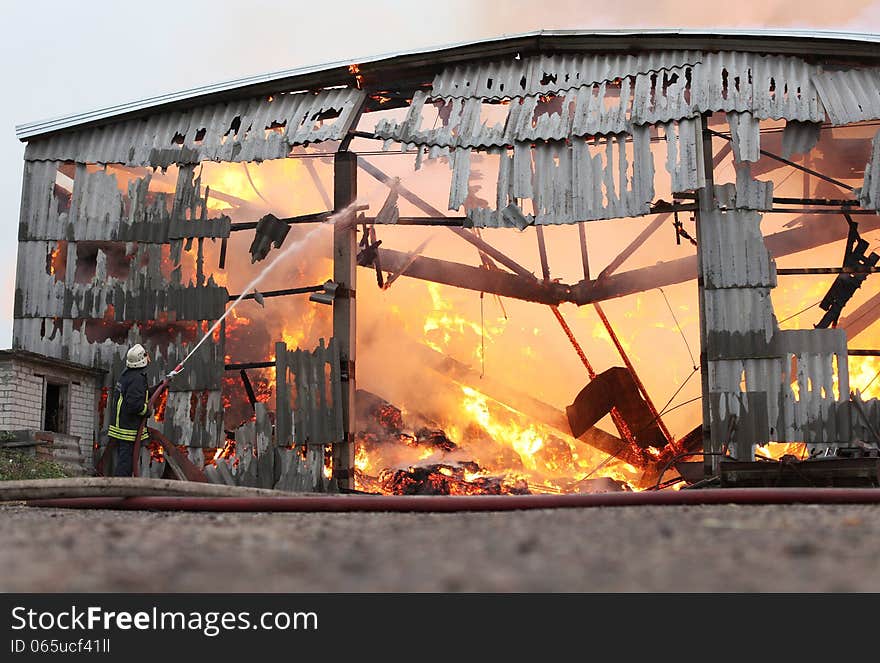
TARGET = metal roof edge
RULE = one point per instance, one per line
(206, 93)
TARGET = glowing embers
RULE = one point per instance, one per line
(226, 452)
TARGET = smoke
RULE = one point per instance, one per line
(527, 15)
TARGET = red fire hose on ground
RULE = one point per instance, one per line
(456, 503)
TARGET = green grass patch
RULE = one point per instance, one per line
(16, 466)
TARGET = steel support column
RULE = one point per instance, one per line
(345, 310)
(706, 198)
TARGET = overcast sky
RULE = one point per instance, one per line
(74, 56)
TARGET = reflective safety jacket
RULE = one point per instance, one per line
(130, 401)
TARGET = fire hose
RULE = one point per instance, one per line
(461, 503)
(151, 404)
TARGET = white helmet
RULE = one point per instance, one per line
(136, 357)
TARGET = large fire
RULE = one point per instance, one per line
(483, 446)
(439, 431)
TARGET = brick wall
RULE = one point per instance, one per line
(22, 386)
(21, 404)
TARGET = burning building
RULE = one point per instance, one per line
(244, 211)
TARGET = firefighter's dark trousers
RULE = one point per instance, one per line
(124, 457)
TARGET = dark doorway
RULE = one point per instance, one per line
(55, 408)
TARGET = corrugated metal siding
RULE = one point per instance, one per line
(585, 111)
(750, 357)
(747, 193)
(869, 193)
(799, 137)
(194, 418)
(101, 211)
(850, 95)
(745, 136)
(734, 254)
(681, 156)
(770, 87)
(208, 132)
(678, 85)
(139, 298)
(545, 74)
(572, 182)
(204, 370)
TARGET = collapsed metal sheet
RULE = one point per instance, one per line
(95, 208)
(254, 129)
(849, 95)
(573, 182)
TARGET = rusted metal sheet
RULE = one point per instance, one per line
(869, 193)
(98, 209)
(849, 95)
(580, 181)
(255, 129)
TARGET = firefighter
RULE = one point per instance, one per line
(129, 406)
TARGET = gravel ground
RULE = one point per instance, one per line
(798, 548)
